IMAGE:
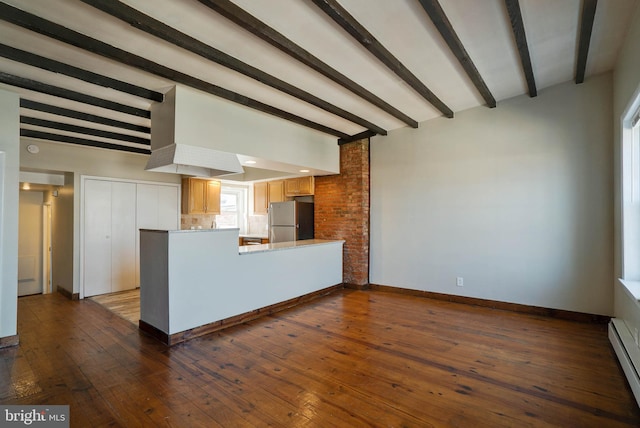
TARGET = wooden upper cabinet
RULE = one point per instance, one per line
(299, 186)
(275, 190)
(212, 200)
(265, 192)
(260, 197)
(200, 196)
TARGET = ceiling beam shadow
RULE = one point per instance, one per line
(58, 32)
(517, 25)
(47, 136)
(83, 130)
(443, 25)
(44, 88)
(336, 12)
(248, 22)
(586, 27)
(156, 28)
(38, 61)
(65, 112)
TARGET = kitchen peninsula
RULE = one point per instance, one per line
(196, 281)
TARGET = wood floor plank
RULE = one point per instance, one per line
(353, 358)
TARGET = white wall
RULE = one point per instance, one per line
(9, 146)
(517, 200)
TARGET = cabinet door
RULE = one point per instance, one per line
(97, 237)
(213, 197)
(156, 208)
(260, 198)
(197, 196)
(276, 191)
(123, 236)
(300, 186)
(305, 185)
(291, 187)
(193, 196)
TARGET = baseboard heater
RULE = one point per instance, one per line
(627, 351)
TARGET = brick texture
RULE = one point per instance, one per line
(342, 210)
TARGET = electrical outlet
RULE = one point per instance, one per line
(460, 281)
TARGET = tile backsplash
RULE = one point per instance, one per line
(258, 225)
(201, 221)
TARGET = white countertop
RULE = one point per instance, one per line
(190, 230)
(250, 249)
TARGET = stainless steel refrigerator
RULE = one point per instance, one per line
(290, 221)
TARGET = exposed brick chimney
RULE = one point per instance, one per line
(342, 210)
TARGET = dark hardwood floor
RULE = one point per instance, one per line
(350, 359)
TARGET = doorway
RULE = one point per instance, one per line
(34, 243)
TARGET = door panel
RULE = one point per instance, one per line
(97, 237)
(123, 242)
(282, 214)
(30, 243)
(157, 208)
(168, 208)
(282, 234)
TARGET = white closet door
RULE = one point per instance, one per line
(124, 231)
(147, 206)
(157, 208)
(97, 237)
(168, 208)
(147, 216)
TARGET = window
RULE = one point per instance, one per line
(631, 194)
(233, 212)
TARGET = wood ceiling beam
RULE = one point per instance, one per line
(586, 27)
(65, 112)
(443, 25)
(68, 94)
(58, 32)
(38, 61)
(517, 26)
(156, 28)
(243, 19)
(27, 120)
(30, 133)
(340, 15)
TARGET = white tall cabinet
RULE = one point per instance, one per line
(113, 212)
(157, 208)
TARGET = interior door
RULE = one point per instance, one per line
(30, 243)
(97, 237)
(123, 231)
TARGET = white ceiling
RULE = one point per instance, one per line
(402, 26)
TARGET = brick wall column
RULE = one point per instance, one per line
(342, 210)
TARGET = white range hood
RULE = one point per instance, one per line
(193, 160)
(194, 133)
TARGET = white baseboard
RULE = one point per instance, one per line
(628, 353)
